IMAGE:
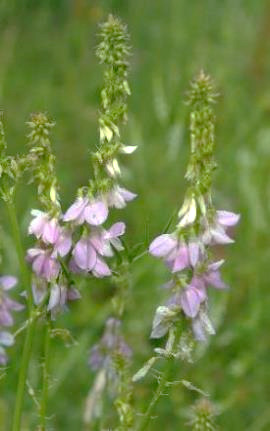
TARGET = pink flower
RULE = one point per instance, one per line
(84, 255)
(216, 232)
(60, 295)
(44, 227)
(94, 212)
(7, 305)
(119, 196)
(102, 240)
(177, 254)
(44, 264)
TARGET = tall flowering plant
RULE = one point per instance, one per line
(189, 250)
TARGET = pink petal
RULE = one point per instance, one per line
(38, 264)
(162, 245)
(8, 282)
(194, 252)
(75, 212)
(182, 259)
(115, 199)
(227, 218)
(6, 339)
(51, 231)
(190, 302)
(54, 297)
(101, 269)
(13, 305)
(64, 243)
(214, 279)
(51, 268)
(6, 318)
(101, 245)
(96, 213)
(219, 236)
(126, 194)
(215, 265)
(36, 226)
(117, 229)
(73, 294)
(84, 255)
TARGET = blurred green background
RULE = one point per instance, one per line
(48, 63)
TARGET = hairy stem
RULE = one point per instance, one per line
(45, 385)
(157, 394)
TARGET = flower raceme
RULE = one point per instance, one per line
(187, 251)
(7, 306)
(180, 254)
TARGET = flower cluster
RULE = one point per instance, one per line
(7, 305)
(187, 251)
(95, 242)
(91, 208)
(110, 346)
(54, 241)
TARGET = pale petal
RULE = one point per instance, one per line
(51, 231)
(214, 279)
(126, 194)
(219, 236)
(75, 212)
(190, 302)
(181, 260)
(8, 282)
(6, 339)
(162, 245)
(194, 252)
(117, 229)
(96, 213)
(36, 226)
(227, 218)
(101, 269)
(73, 294)
(84, 255)
(64, 243)
(54, 297)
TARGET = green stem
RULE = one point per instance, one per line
(157, 394)
(27, 348)
(16, 426)
(20, 252)
(45, 387)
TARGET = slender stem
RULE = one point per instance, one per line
(45, 387)
(20, 252)
(16, 426)
(157, 394)
(27, 348)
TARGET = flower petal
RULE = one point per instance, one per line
(6, 339)
(117, 229)
(101, 269)
(190, 302)
(181, 260)
(162, 245)
(8, 282)
(96, 213)
(84, 255)
(75, 212)
(227, 218)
